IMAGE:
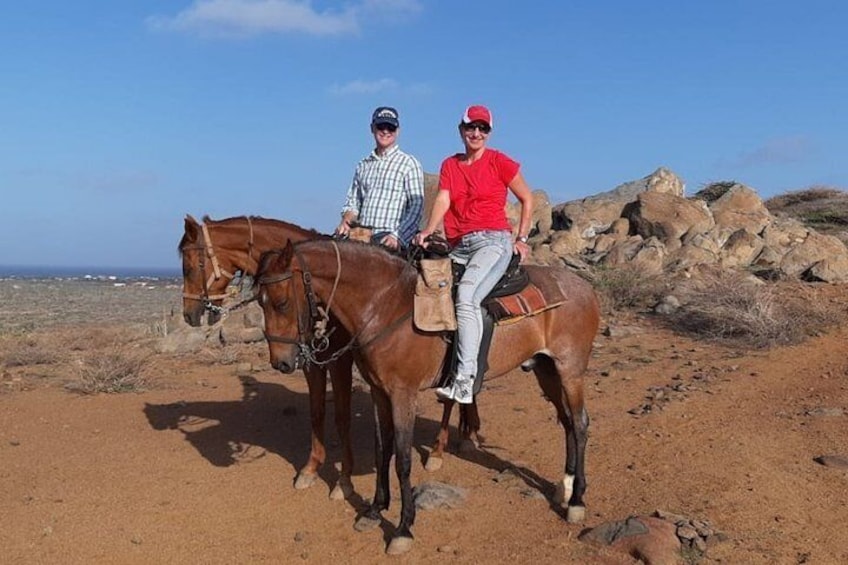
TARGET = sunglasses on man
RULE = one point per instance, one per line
(386, 127)
(482, 127)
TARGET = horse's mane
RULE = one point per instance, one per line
(363, 254)
(261, 220)
(258, 220)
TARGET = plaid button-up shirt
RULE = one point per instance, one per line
(387, 193)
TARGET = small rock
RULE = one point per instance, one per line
(835, 461)
(825, 412)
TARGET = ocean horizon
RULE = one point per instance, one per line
(87, 272)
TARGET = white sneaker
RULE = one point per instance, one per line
(445, 392)
(463, 390)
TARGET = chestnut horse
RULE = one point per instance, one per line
(212, 253)
(370, 293)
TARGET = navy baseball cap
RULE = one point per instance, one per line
(385, 115)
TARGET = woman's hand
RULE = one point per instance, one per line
(523, 250)
(420, 238)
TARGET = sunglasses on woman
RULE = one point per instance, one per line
(479, 126)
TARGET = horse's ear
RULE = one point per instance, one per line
(191, 228)
(288, 250)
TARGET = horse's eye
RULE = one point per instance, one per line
(282, 306)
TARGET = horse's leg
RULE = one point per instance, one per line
(469, 425)
(563, 386)
(316, 380)
(437, 455)
(341, 374)
(383, 450)
(577, 433)
(403, 416)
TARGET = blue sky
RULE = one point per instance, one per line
(118, 118)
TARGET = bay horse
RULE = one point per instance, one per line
(212, 253)
(371, 293)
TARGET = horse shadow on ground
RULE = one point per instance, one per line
(505, 472)
(271, 418)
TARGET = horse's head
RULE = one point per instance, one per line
(203, 283)
(283, 297)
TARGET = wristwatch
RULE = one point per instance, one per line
(521, 238)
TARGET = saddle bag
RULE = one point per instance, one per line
(359, 233)
(434, 309)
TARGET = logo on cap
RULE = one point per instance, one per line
(385, 115)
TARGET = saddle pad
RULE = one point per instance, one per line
(525, 303)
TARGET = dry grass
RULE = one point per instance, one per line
(626, 287)
(27, 351)
(734, 307)
(822, 208)
(112, 371)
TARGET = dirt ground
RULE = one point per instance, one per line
(198, 468)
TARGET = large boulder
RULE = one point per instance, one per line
(668, 217)
(740, 208)
(594, 215)
(814, 249)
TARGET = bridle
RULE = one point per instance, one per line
(207, 251)
(313, 322)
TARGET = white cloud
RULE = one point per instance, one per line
(364, 87)
(780, 151)
(359, 86)
(244, 18)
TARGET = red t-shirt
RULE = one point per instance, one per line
(477, 192)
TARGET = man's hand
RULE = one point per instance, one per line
(343, 229)
(390, 241)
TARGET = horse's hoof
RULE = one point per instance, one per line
(399, 546)
(433, 464)
(365, 523)
(305, 480)
(575, 514)
(342, 490)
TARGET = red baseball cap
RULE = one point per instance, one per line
(477, 114)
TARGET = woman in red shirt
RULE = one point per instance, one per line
(472, 197)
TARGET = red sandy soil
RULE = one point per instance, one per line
(198, 468)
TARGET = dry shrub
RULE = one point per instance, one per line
(111, 371)
(224, 355)
(813, 194)
(97, 337)
(733, 306)
(822, 208)
(714, 190)
(28, 351)
(626, 287)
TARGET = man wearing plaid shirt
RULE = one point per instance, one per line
(387, 192)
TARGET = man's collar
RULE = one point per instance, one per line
(387, 153)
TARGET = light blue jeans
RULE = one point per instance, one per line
(486, 256)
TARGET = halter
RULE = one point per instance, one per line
(217, 273)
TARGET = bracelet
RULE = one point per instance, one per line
(521, 238)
